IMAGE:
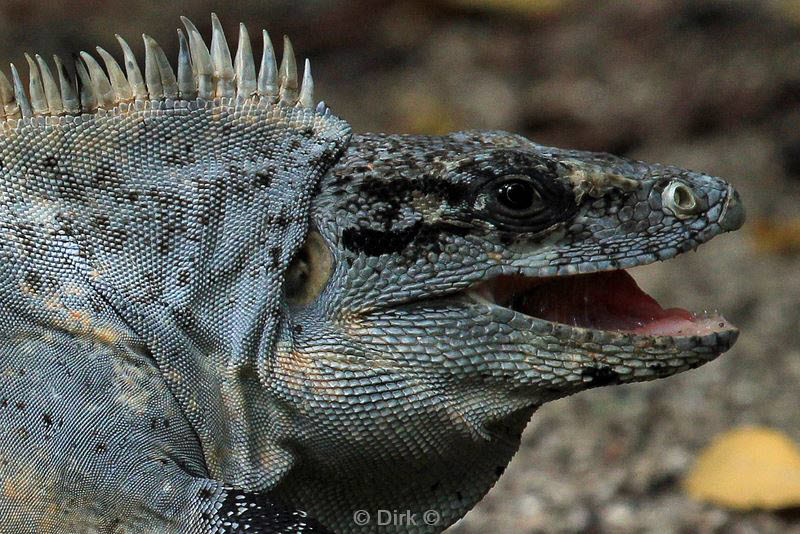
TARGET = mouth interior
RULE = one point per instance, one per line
(602, 301)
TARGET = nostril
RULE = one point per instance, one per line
(679, 199)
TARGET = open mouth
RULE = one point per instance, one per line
(600, 301)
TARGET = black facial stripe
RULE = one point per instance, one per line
(373, 242)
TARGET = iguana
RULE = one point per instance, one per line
(219, 306)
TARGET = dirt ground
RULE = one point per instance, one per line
(708, 85)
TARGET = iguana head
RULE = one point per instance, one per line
(451, 285)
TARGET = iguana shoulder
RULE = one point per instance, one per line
(150, 217)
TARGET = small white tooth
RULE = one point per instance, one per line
(201, 61)
(85, 88)
(10, 107)
(245, 66)
(306, 98)
(19, 94)
(221, 60)
(288, 74)
(69, 95)
(268, 73)
(119, 83)
(486, 291)
(100, 84)
(186, 82)
(38, 100)
(54, 104)
(135, 78)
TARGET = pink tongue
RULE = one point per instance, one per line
(604, 301)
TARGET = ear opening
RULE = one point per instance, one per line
(309, 271)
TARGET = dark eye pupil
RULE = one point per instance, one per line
(516, 195)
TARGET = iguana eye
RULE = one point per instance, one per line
(517, 193)
(524, 202)
(514, 201)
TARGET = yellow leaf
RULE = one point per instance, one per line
(776, 236)
(746, 468)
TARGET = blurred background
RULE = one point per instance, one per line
(708, 85)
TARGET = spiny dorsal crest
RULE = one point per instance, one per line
(202, 74)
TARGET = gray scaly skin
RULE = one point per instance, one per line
(219, 306)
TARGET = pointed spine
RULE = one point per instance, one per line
(201, 61)
(168, 80)
(119, 83)
(221, 59)
(100, 84)
(186, 82)
(152, 76)
(54, 103)
(157, 71)
(245, 66)
(306, 98)
(288, 74)
(69, 95)
(85, 90)
(38, 100)
(134, 75)
(19, 94)
(268, 73)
